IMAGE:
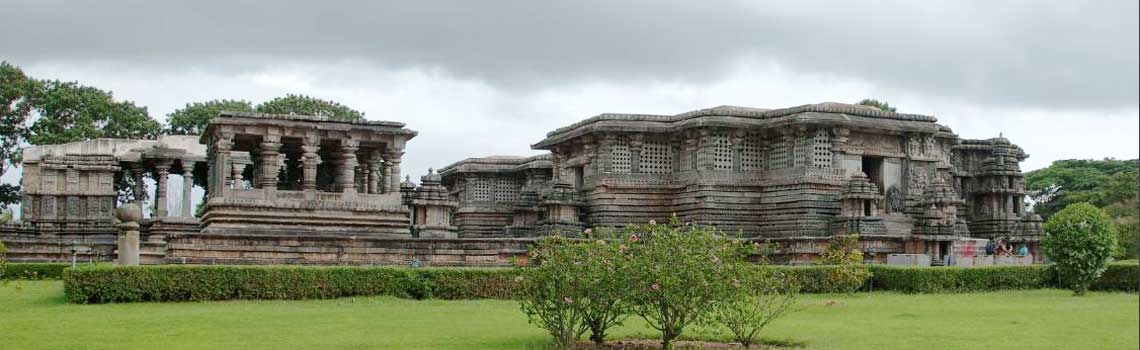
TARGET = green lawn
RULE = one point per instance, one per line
(34, 315)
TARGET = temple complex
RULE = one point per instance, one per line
(313, 190)
(795, 175)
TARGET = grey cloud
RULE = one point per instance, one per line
(1030, 53)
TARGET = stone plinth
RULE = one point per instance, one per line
(315, 249)
(908, 259)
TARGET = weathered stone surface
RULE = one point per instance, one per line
(311, 190)
(792, 173)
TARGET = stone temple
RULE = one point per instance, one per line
(310, 190)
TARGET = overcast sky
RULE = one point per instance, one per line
(478, 78)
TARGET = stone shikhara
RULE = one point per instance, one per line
(310, 190)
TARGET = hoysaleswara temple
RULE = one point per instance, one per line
(311, 190)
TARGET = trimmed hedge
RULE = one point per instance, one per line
(959, 279)
(470, 283)
(104, 284)
(34, 271)
(815, 278)
(1120, 276)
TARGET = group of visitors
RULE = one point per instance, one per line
(1002, 247)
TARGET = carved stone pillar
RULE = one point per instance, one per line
(238, 178)
(704, 151)
(556, 166)
(838, 141)
(386, 176)
(187, 188)
(347, 178)
(393, 158)
(635, 143)
(270, 165)
(605, 153)
(737, 140)
(310, 159)
(161, 171)
(374, 173)
(219, 162)
(137, 172)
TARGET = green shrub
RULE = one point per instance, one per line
(1080, 240)
(822, 278)
(959, 279)
(758, 297)
(550, 288)
(469, 283)
(1127, 238)
(1119, 276)
(34, 271)
(605, 301)
(844, 253)
(676, 273)
(3, 261)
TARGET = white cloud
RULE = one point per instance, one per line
(460, 118)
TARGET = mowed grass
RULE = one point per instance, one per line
(33, 315)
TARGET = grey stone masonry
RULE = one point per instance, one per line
(802, 173)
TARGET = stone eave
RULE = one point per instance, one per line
(496, 165)
(307, 122)
(639, 124)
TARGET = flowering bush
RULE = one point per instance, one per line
(547, 291)
(1080, 240)
(758, 296)
(677, 273)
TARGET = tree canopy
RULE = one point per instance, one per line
(192, 119)
(1097, 182)
(14, 111)
(305, 105)
(881, 105)
(71, 112)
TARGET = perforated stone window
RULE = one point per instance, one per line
(482, 189)
(620, 156)
(778, 157)
(802, 150)
(751, 158)
(507, 189)
(656, 158)
(821, 149)
(721, 151)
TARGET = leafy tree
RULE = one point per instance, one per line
(305, 105)
(881, 105)
(677, 273)
(1080, 240)
(192, 119)
(14, 111)
(1097, 182)
(71, 112)
(758, 298)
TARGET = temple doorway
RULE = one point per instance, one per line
(873, 167)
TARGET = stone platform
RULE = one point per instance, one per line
(333, 249)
